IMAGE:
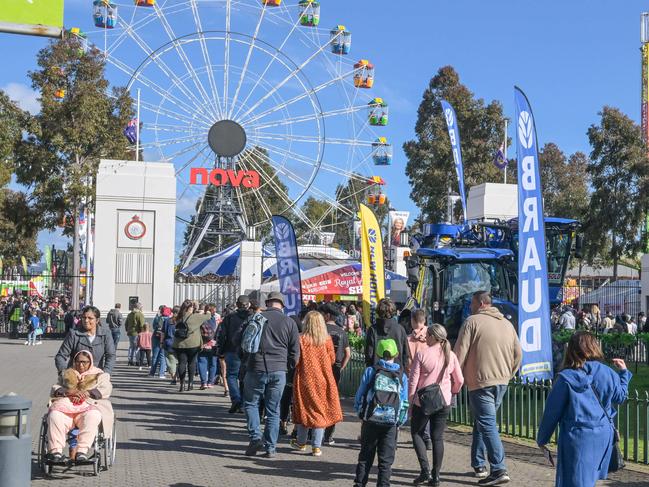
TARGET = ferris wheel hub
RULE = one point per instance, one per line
(227, 138)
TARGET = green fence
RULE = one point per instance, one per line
(523, 406)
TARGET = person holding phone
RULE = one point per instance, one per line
(582, 403)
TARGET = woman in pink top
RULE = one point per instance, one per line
(434, 364)
(144, 344)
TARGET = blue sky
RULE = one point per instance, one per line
(570, 57)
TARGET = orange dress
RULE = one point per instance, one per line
(315, 395)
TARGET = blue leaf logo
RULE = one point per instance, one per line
(282, 231)
(371, 234)
(525, 130)
(448, 113)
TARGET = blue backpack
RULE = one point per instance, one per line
(251, 337)
(382, 404)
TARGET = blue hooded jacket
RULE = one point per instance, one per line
(585, 433)
(366, 382)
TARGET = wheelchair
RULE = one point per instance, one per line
(102, 458)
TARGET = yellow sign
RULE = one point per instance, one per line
(372, 264)
(33, 17)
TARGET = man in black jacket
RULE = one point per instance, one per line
(386, 327)
(229, 341)
(266, 372)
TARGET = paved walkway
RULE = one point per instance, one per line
(181, 440)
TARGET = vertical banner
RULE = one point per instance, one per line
(533, 295)
(288, 265)
(454, 135)
(398, 221)
(373, 271)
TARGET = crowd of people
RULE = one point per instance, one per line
(278, 369)
(591, 318)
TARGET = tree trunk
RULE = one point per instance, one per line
(76, 265)
(615, 268)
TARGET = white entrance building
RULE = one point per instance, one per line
(134, 235)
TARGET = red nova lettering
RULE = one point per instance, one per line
(222, 177)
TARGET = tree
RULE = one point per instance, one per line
(619, 169)
(430, 166)
(79, 123)
(12, 121)
(565, 182)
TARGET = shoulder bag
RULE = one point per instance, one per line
(617, 460)
(431, 399)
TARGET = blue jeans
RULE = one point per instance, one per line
(269, 386)
(132, 349)
(117, 334)
(483, 404)
(303, 433)
(207, 366)
(232, 367)
(158, 358)
(31, 338)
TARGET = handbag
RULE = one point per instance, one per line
(431, 399)
(617, 460)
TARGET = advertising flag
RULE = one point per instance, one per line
(288, 265)
(372, 264)
(454, 135)
(533, 295)
(33, 17)
(23, 261)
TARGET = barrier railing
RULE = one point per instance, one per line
(523, 406)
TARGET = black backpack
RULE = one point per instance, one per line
(182, 330)
(336, 333)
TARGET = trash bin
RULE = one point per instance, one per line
(15, 441)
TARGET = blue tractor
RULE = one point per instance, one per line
(451, 262)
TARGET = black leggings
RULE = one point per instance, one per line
(187, 360)
(437, 422)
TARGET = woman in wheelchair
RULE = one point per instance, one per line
(80, 398)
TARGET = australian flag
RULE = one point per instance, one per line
(130, 132)
(499, 159)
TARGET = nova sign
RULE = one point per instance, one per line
(223, 177)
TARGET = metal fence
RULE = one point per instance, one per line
(218, 293)
(617, 297)
(523, 406)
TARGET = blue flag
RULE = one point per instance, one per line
(288, 265)
(533, 296)
(454, 135)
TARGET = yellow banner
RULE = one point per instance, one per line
(372, 264)
(24, 263)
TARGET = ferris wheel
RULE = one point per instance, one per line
(252, 101)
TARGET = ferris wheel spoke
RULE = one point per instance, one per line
(163, 127)
(262, 202)
(192, 159)
(285, 80)
(206, 58)
(306, 118)
(268, 66)
(183, 56)
(313, 140)
(297, 98)
(247, 61)
(168, 142)
(190, 110)
(198, 104)
(226, 65)
(173, 115)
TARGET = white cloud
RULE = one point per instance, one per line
(26, 98)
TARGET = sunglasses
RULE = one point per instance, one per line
(86, 362)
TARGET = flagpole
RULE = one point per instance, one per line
(505, 151)
(137, 129)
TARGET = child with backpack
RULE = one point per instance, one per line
(144, 345)
(382, 404)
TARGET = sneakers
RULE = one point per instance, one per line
(253, 447)
(269, 454)
(139, 369)
(296, 446)
(497, 477)
(329, 442)
(481, 472)
(316, 452)
(203, 387)
(81, 457)
(429, 445)
(235, 408)
(26, 343)
(423, 478)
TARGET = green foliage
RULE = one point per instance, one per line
(618, 168)
(12, 120)
(18, 229)
(430, 167)
(356, 343)
(563, 336)
(59, 157)
(617, 340)
(565, 182)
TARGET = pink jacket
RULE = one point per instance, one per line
(144, 340)
(425, 369)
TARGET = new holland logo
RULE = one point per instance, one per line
(448, 113)
(282, 231)
(525, 130)
(371, 235)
